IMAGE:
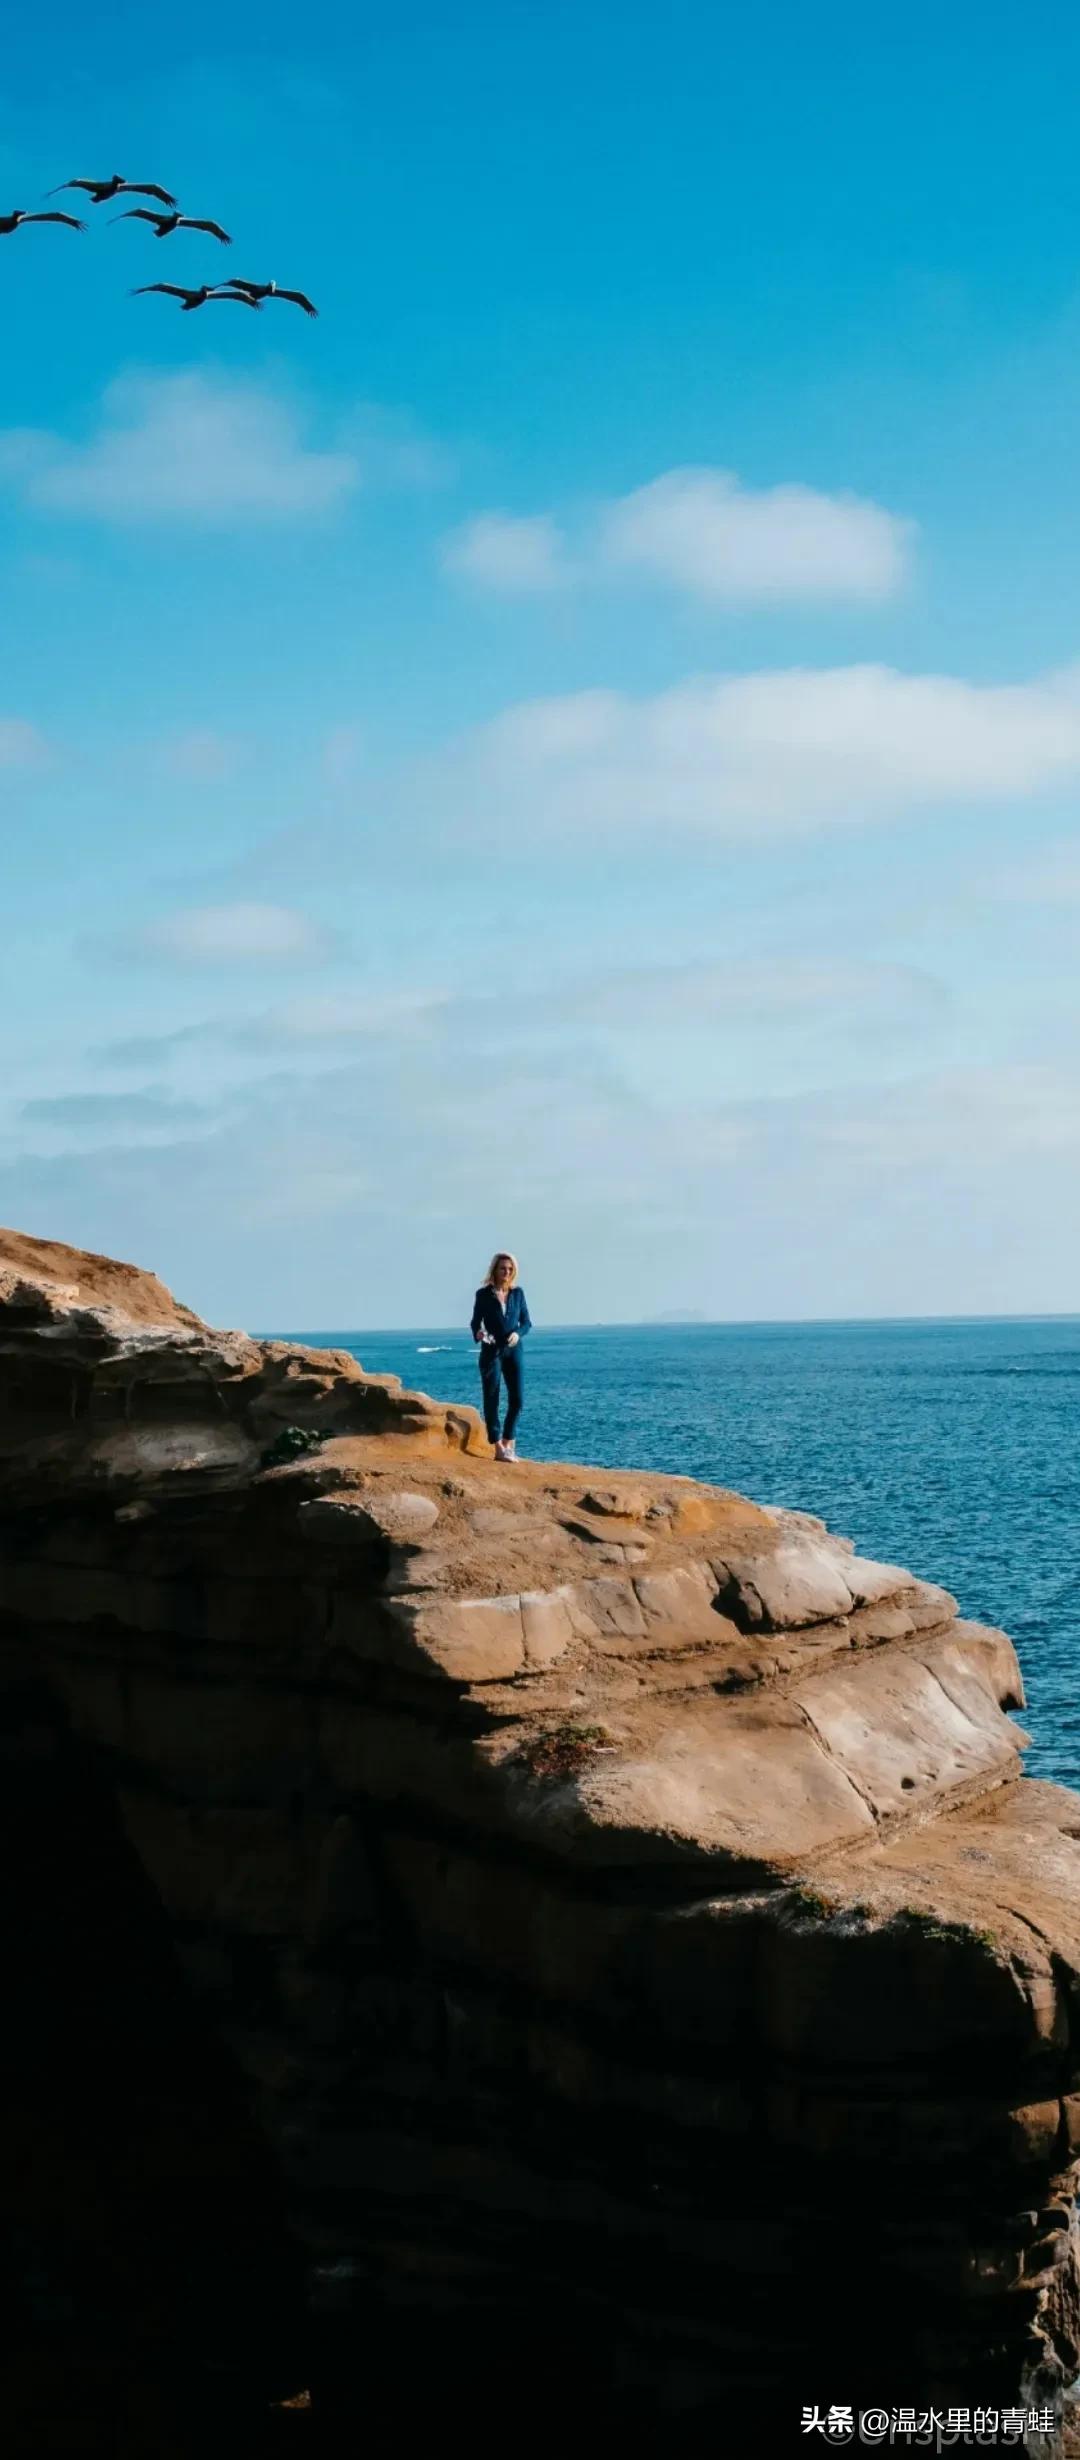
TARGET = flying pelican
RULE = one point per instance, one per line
(101, 191)
(197, 298)
(258, 291)
(11, 222)
(164, 224)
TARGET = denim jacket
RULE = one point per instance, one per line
(488, 1313)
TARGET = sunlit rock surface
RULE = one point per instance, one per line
(572, 1920)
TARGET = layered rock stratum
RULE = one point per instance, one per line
(575, 1937)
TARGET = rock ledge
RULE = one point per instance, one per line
(605, 1895)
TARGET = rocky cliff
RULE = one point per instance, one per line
(575, 1936)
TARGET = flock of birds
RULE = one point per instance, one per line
(165, 217)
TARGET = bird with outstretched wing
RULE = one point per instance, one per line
(100, 191)
(195, 298)
(14, 221)
(271, 290)
(165, 224)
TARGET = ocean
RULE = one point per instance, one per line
(951, 1447)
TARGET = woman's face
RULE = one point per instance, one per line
(503, 1270)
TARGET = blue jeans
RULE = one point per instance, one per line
(491, 1360)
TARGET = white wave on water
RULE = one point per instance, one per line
(427, 1349)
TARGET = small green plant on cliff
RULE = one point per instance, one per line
(561, 1751)
(954, 1934)
(810, 1901)
(288, 1445)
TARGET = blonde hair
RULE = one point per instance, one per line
(500, 1254)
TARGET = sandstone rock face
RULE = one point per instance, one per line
(609, 1915)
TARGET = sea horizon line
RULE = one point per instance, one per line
(684, 1324)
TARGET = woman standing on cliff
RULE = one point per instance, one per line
(500, 1321)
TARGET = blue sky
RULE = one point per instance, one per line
(580, 746)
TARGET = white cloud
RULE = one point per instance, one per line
(333, 1016)
(187, 447)
(202, 756)
(701, 530)
(21, 746)
(233, 935)
(724, 757)
(500, 551)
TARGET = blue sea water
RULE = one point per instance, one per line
(952, 1447)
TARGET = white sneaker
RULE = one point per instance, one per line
(501, 1453)
(509, 1450)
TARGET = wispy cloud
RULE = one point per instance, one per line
(341, 755)
(725, 757)
(394, 450)
(231, 935)
(188, 447)
(813, 996)
(499, 551)
(751, 992)
(149, 1104)
(148, 1114)
(344, 1015)
(699, 530)
(963, 1117)
(155, 1050)
(202, 757)
(297, 1025)
(878, 1177)
(21, 745)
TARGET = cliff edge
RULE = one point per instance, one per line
(607, 1931)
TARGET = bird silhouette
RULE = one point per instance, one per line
(258, 291)
(165, 224)
(100, 191)
(13, 221)
(196, 298)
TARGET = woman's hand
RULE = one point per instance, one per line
(512, 1341)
